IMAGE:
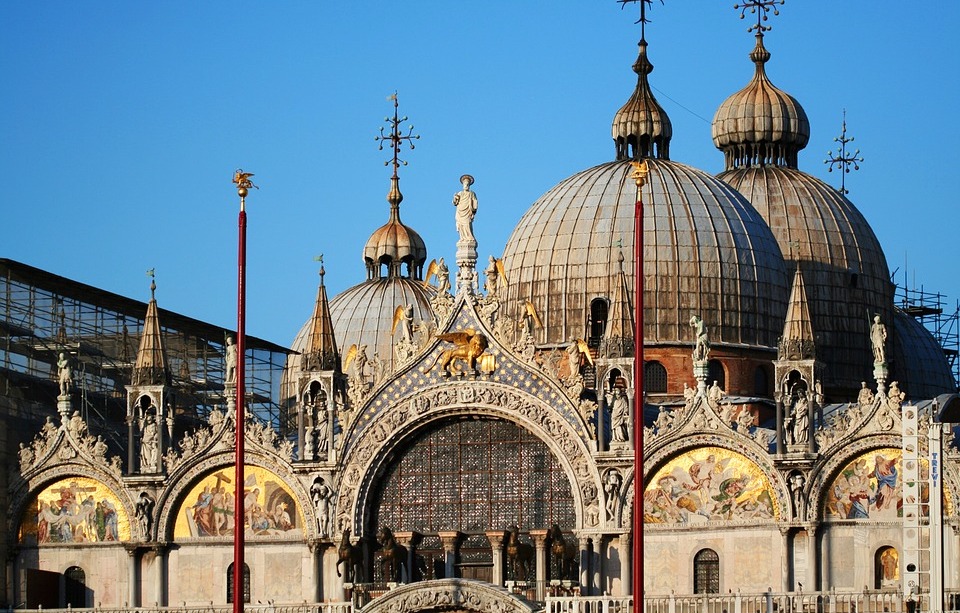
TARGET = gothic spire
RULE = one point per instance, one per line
(151, 365)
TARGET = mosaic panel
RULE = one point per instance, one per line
(74, 510)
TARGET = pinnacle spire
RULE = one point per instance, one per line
(798, 341)
(620, 322)
(150, 367)
(321, 350)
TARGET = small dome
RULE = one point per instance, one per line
(919, 363)
(707, 252)
(394, 244)
(641, 128)
(760, 125)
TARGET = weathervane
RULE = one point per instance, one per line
(643, 21)
(395, 138)
(760, 8)
(843, 159)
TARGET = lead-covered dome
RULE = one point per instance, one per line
(706, 250)
(843, 264)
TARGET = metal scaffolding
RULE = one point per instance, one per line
(42, 315)
(932, 310)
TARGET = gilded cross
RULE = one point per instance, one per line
(395, 137)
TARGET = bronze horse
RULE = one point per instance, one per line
(519, 555)
(563, 555)
(393, 556)
(351, 557)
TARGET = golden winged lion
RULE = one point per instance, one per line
(469, 346)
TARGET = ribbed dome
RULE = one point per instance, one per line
(760, 125)
(844, 268)
(641, 128)
(363, 315)
(919, 362)
(394, 243)
(706, 252)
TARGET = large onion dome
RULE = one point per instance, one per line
(761, 130)
(706, 250)
(919, 363)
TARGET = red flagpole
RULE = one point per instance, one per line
(243, 182)
(640, 177)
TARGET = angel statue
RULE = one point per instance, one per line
(403, 316)
(530, 320)
(495, 275)
(438, 268)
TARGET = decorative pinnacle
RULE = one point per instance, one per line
(842, 158)
(640, 172)
(643, 21)
(242, 181)
(760, 8)
(153, 282)
(395, 137)
(319, 258)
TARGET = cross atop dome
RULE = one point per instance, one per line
(643, 21)
(760, 8)
(395, 137)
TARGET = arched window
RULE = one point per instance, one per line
(598, 318)
(761, 382)
(246, 583)
(886, 568)
(706, 572)
(654, 378)
(75, 587)
(716, 374)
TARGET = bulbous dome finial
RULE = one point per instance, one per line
(641, 128)
(760, 125)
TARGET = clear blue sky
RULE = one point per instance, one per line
(121, 124)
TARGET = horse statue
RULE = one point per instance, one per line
(351, 557)
(519, 555)
(393, 556)
(563, 555)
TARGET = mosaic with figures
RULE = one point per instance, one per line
(269, 507)
(74, 510)
(708, 484)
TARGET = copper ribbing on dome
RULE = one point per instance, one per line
(321, 350)
(151, 365)
(394, 243)
(760, 125)
(641, 128)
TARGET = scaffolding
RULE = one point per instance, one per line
(932, 310)
(43, 315)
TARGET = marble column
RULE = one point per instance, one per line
(601, 418)
(410, 540)
(133, 587)
(316, 551)
(626, 560)
(596, 566)
(787, 560)
(450, 540)
(813, 558)
(496, 545)
(540, 543)
(584, 543)
(160, 573)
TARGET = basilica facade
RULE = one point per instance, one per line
(466, 439)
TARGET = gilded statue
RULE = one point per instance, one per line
(469, 346)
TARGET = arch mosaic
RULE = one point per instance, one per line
(393, 426)
(184, 507)
(74, 509)
(869, 487)
(710, 484)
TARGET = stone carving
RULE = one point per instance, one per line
(322, 495)
(865, 396)
(664, 421)
(800, 416)
(77, 427)
(619, 415)
(878, 338)
(64, 375)
(895, 396)
(466, 203)
(796, 483)
(144, 514)
(495, 277)
(230, 359)
(149, 444)
(442, 305)
(26, 457)
(612, 482)
(701, 348)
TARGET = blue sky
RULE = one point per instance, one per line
(121, 124)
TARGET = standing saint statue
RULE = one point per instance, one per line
(466, 203)
(231, 361)
(65, 374)
(878, 338)
(702, 347)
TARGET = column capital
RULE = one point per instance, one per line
(539, 537)
(496, 537)
(408, 538)
(450, 539)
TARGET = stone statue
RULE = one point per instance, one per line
(466, 203)
(26, 456)
(149, 444)
(619, 415)
(702, 347)
(321, 494)
(144, 514)
(801, 419)
(611, 487)
(878, 338)
(403, 318)
(323, 444)
(231, 361)
(64, 374)
(76, 426)
(796, 488)
(865, 397)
